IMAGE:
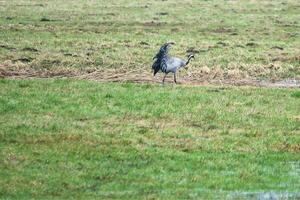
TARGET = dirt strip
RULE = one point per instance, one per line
(145, 76)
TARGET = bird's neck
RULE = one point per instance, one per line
(188, 61)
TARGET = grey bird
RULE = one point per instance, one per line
(163, 62)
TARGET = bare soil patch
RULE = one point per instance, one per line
(204, 76)
(201, 78)
(23, 72)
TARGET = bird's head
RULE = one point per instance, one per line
(191, 56)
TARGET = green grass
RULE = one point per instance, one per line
(244, 38)
(64, 139)
(79, 139)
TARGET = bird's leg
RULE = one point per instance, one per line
(164, 78)
(175, 78)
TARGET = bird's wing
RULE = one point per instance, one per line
(160, 59)
(175, 63)
(156, 66)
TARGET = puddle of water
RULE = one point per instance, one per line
(271, 195)
(295, 168)
(264, 195)
(287, 83)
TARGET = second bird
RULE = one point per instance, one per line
(163, 62)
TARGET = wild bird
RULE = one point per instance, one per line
(163, 62)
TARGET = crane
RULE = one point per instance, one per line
(163, 62)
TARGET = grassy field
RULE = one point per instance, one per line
(78, 139)
(231, 39)
(75, 139)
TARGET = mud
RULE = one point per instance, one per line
(30, 49)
